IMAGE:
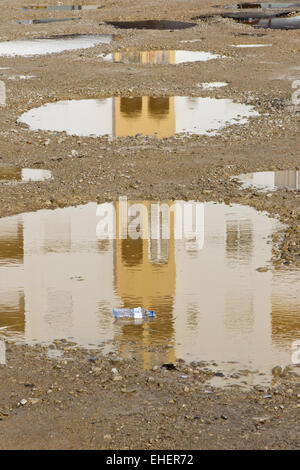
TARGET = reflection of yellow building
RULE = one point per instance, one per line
(145, 115)
(145, 276)
(146, 57)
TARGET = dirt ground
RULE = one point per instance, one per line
(76, 403)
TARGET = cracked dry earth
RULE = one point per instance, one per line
(74, 404)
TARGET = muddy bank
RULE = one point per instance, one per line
(81, 400)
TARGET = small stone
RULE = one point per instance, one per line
(23, 402)
(117, 378)
(34, 401)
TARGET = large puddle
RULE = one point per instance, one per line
(51, 45)
(60, 278)
(272, 180)
(8, 173)
(62, 7)
(159, 57)
(144, 115)
(151, 24)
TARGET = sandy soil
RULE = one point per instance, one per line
(82, 412)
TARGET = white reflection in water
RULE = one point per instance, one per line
(272, 180)
(31, 47)
(146, 115)
(58, 280)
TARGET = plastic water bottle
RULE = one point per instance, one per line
(137, 312)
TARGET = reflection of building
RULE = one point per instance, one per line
(12, 314)
(2, 93)
(145, 57)
(145, 115)
(58, 280)
(288, 178)
(274, 179)
(145, 275)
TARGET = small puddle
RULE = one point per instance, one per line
(144, 115)
(263, 5)
(62, 7)
(212, 85)
(8, 173)
(52, 45)
(272, 21)
(251, 45)
(60, 278)
(151, 24)
(45, 20)
(272, 180)
(159, 57)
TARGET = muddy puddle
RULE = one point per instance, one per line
(45, 20)
(270, 21)
(151, 24)
(272, 180)
(8, 173)
(195, 265)
(144, 115)
(263, 5)
(62, 7)
(250, 45)
(51, 45)
(159, 57)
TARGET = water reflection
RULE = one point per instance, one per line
(146, 115)
(52, 45)
(62, 7)
(57, 279)
(8, 173)
(159, 57)
(151, 24)
(292, 22)
(45, 20)
(267, 20)
(272, 180)
(263, 5)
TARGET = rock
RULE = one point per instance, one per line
(262, 270)
(22, 402)
(117, 378)
(34, 401)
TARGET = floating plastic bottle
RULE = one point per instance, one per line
(137, 312)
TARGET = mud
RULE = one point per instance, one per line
(148, 405)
